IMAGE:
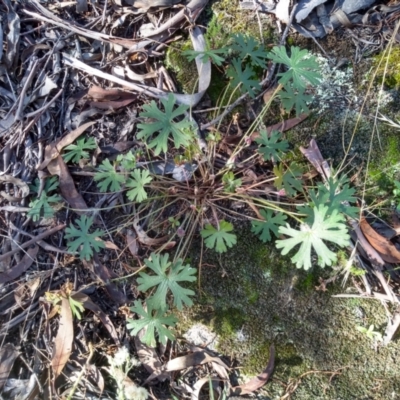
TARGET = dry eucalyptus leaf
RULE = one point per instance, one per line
(258, 381)
(62, 347)
(383, 246)
(53, 150)
(190, 360)
(67, 185)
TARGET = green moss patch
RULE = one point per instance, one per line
(388, 68)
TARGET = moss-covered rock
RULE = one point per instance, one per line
(252, 297)
(387, 67)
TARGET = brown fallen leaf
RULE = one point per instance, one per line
(53, 150)
(144, 238)
(258, 381)
(314, 156)
(110, 245)
(269, 93)
(63, 342)
(199, 384)
(8, 354)
(132, 242)
(282, 126)
(150, 360)
(104, 274)
(97, 93)
(67, 185)
(383, 246)
(89, 305)
(21, 267)
(111, 105)
(95, 376)
(192, 359)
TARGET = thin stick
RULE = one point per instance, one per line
(18, 114)
(32, 241)
(46, 106)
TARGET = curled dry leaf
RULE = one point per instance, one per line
(260, 380)
(220, 370)
(132, 243)
(199, 384)
(67, 185)
(105, 275)
(23, 187)
(95, 376)
(190, 360)
(314, 156)
(21, 267)
(63, 342)
(144, 238)
(383, 246)
(150, 360)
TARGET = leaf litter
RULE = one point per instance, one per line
(63, 62)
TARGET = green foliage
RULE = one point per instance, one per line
(84, 238)
(290, 180)
(337, 195)
(370, 333)
(357, 271)
(78, 151)
(396, 193)
(302, 67)
(230, 183)
(295, 99)
(248, 48)
(164, 125)
(219, 239)
(302, 70)
(270, 224)
(330, 228)
(212, 55)
(243, 78)
(108, 178)
(76, 307)
(41, 207)
(140, 178)
(271, 146)
(166, 278)
(154, 321)
(174, 222)
(396, 190)
(127, 161)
